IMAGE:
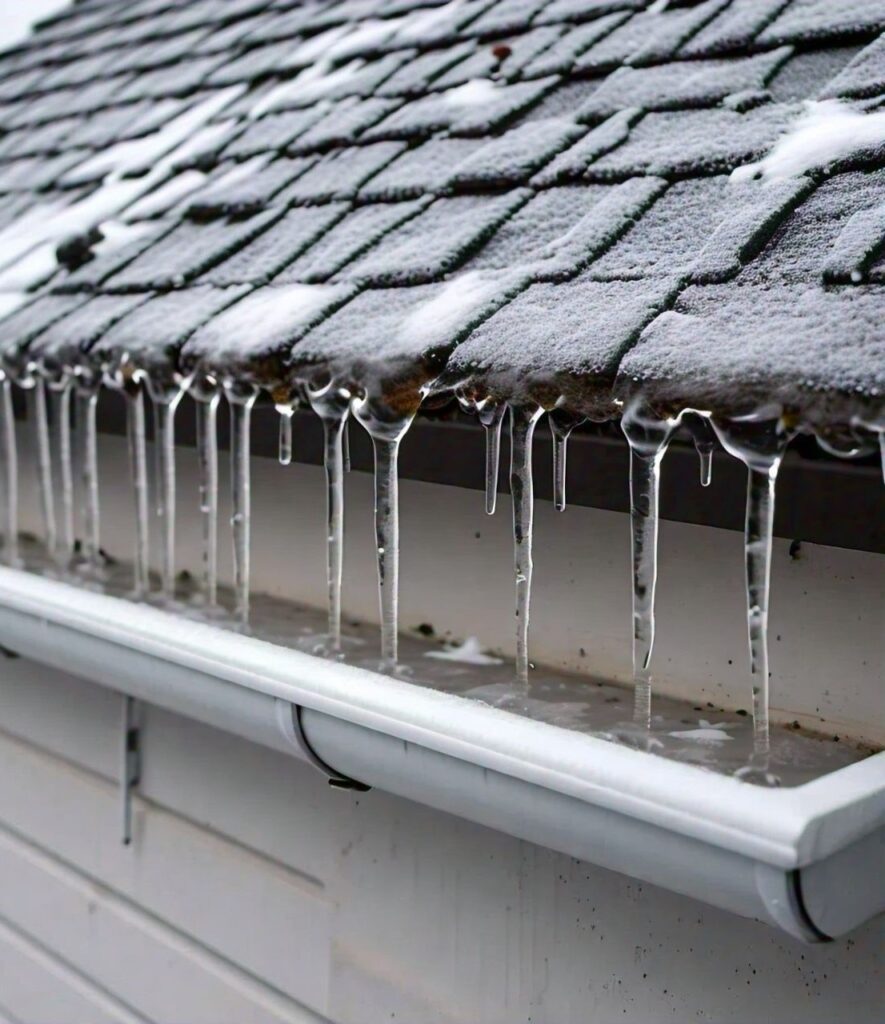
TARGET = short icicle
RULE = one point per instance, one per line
(207, 400)
(86, 404)
(523, 420)
(60, 442)
(491, 416)
(332, 405)
(387, 429)
(166, 405)
(241, 400)
(345, 446)
(561, 426)
(10, 473)
(704, 438)
(760, 444)
(648, 437)
(286, 413)
(44, 464)
(136, 437)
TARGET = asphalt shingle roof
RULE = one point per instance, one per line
(528, 196)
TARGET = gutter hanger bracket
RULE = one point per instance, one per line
(289, 719)
(130, 762)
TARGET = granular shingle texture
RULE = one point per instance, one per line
(532, 196)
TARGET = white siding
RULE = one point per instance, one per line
(253, 893)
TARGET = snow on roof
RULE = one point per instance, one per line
(565, 199)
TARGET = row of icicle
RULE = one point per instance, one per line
(759, 443)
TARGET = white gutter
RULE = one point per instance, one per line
(806, 858)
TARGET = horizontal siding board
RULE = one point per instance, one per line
(246, 908)
(165, 976)
(38, 987)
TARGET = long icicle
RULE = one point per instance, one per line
(44, 465)
(136, 437)
(387, 431)
(332, 406)
(10, 467)
(760, 444)
(648, 437)
(523, 420)
(491, 416)
(165, 407)
(207, 458)
(241, 487)
(86, 407)
(60, 434)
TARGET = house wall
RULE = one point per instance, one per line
(253, 892)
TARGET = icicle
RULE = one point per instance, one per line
(387, 430)
(491, 416)
(523, 420)
(561, 426)
(285, 452)
(332, 405)
(704, 438)
(135, 431)
(86, 406)
(10, 472)
(345, 446)
(241, 402)
(207, 399)
(166, 402)
(760, 444)
(44, 464)
(648, 437)
(882, 452)
(60, 435)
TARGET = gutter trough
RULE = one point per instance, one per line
(807, 859)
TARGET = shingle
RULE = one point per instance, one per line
(561, 56)
(274, 132)
(113, 257)
(27, 322)
(420, 170)
(648, 37)
(417, 74)
(476, 108)
(702, 226)
(572, 164)
(152, 334)
(802, 77)
(570, 336)
(440, 26)
(863, 76)
(358, 231)
(273, 249)
(188, 251)
(734, 28)
(343, 123)
(246, 188)
(561, 230)
(63, 343)
(583, 10)
(437, 241)
(499, 59)
(805, 20)
(405, 332)
(339, 174)
(513, 157)
(679, 86)
(690, 143)
(859, 242)
(253, 337)
(506, 17)
(772, 343)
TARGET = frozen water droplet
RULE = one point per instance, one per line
(286, 413)
(523, 420)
